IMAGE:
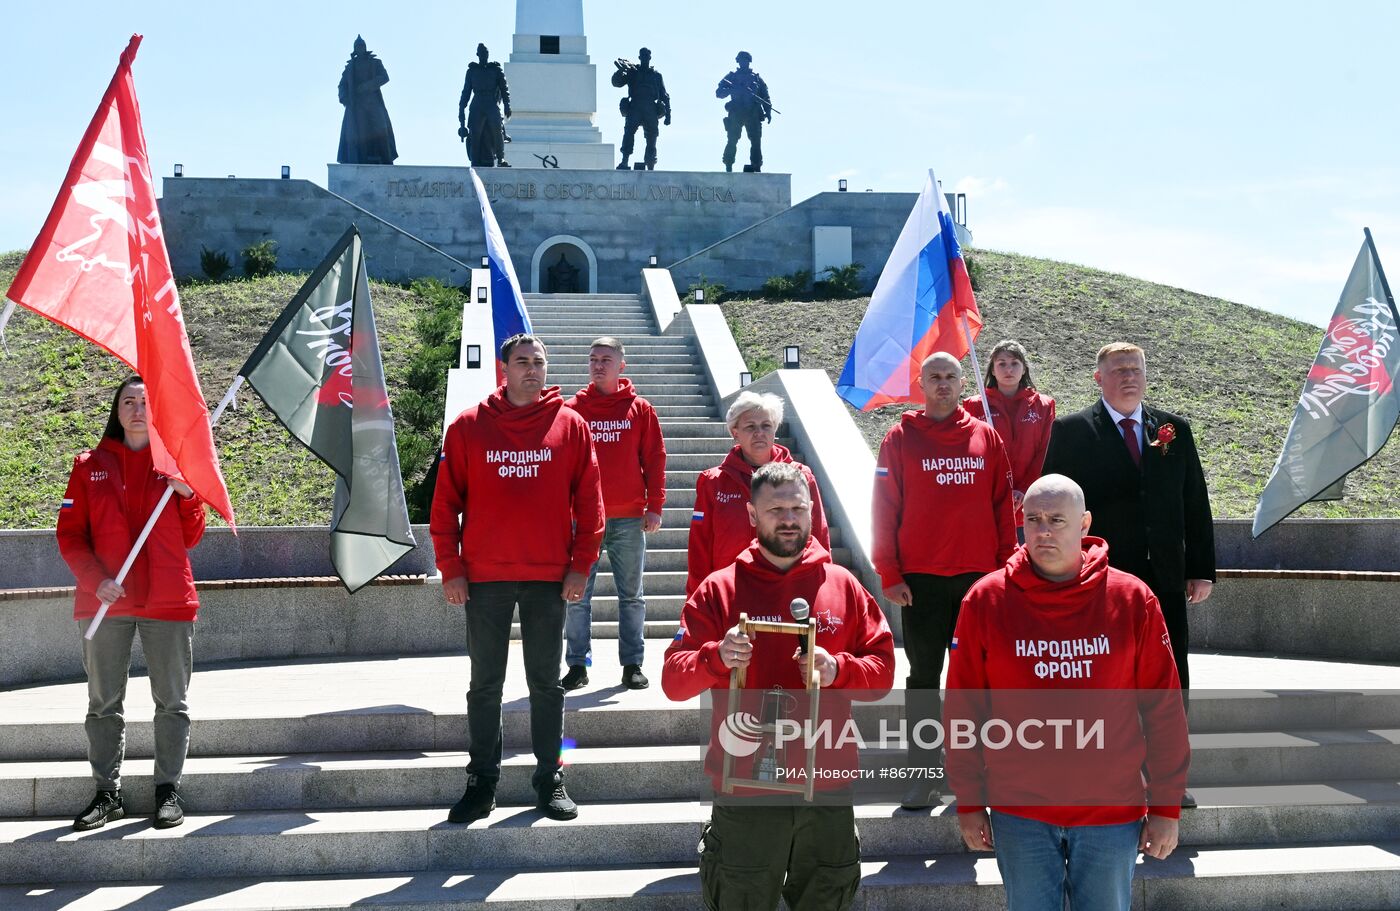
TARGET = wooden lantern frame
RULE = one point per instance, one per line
(736, 683)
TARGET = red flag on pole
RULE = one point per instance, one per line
(100, 268)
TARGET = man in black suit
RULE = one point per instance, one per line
(1143, 482)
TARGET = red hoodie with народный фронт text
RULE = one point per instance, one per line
(525, 484)
(1023, 421)
(720, 529)
(850, 627)
(942, 498)
(628, 443)
(1094, 647)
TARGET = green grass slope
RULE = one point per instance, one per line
(1234, 371)
(58, 388)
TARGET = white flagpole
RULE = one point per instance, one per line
(155, 514)
(977, 370)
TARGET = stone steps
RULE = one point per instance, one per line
(1236, 765)
(1337, 876)
(319, 842)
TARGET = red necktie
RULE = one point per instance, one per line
(1130, 437)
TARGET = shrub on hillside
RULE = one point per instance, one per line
(438, 330)
(787, 287)
(714, 292)
(841, 282)
(260, 259)
(214, 264)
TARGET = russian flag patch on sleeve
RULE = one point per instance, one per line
(881, 471)
(697, 516)
(66, 504)
(954, 643)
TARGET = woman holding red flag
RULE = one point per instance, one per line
(111, 493)
(1020, 414)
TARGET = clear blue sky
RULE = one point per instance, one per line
(1231, 148)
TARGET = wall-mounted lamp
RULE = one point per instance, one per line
(473, 357)
(699, 295)
(286, 172)
(179, 170)
(486, 262)
(791, 358)
(481, 294)
(841, 185)
(651, 260)
(745, 378)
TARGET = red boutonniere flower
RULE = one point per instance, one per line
(1165, 434)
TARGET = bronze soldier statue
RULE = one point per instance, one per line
(748, 106)
(645, 104)
(366, 135)
(482, 127)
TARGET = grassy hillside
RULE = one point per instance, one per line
(58, 389)
(1235, 372)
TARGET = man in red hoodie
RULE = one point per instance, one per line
(1057, 618)
(632, 462)
(517, 517)
(942, 518)
(808, 854)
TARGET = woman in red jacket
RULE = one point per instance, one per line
(1020, 414)
(110, 495)
(720, 529)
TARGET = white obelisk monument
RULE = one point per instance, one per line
(553, 90)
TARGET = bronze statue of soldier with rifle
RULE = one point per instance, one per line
(646, 102)
(748, 106)
(482, 127)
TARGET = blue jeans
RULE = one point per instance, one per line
(1042, 865)
(626, 548)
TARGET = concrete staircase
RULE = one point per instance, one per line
(667, 372)
(323, 784)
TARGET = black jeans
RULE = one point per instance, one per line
(928, 629)
(490, 610)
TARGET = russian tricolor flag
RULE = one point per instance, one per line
(917, 308)
(508, 316)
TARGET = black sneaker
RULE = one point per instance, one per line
(555, 801)
(633, 678)
(1188, 800)
(576, 678)
(169, 812)
(478, 800)
(106, 807)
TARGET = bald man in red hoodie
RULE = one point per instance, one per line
(1059, 634)
(517, 519)
(809, 854)
(942, 518)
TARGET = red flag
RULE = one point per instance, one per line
(100, 268)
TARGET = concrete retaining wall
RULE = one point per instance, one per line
(783, 244)
(1348, 620)
(31, 558)
(679, 211)
(304, 219)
